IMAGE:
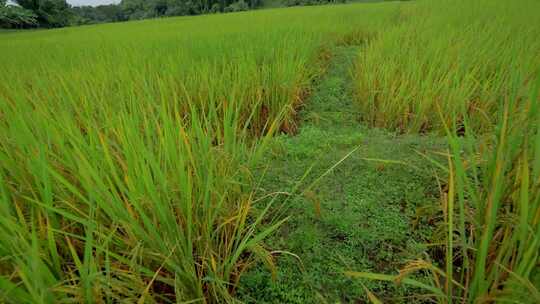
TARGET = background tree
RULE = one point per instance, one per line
(135, 9)
(99, 14)
(49, 13)
(58, 13)
(16, 17)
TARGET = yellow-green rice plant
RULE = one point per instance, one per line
(455, 55)
(125, 150)
(470, 69)
(490, 211)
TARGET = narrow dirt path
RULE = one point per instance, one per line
(360, 216)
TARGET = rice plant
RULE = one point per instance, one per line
(454, 55)
(125, 150)
(471, 71)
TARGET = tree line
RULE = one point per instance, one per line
(143, 9)
(58, 13)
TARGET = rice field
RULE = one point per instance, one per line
(470, 70)
(127, 150)
(449, 57)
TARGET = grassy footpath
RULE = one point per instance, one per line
(359, 216)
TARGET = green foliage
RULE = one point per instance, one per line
(478, 84)
(237, 7)
(16, 17)
(409, 74)
(489, 247)
(183, 8)
(311, 2)
(138, 161)
(216, 8)
(499, 243)
(359, 215)
(98, 14)
(126, 151)
(141, 9)
(49, 13)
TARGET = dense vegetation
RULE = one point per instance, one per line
(471, 70)
(142, 9)
(35, 13)
(58, 13)
(133, 156)
(16, 17)
(125, 165)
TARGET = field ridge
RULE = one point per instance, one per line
(344, 221)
